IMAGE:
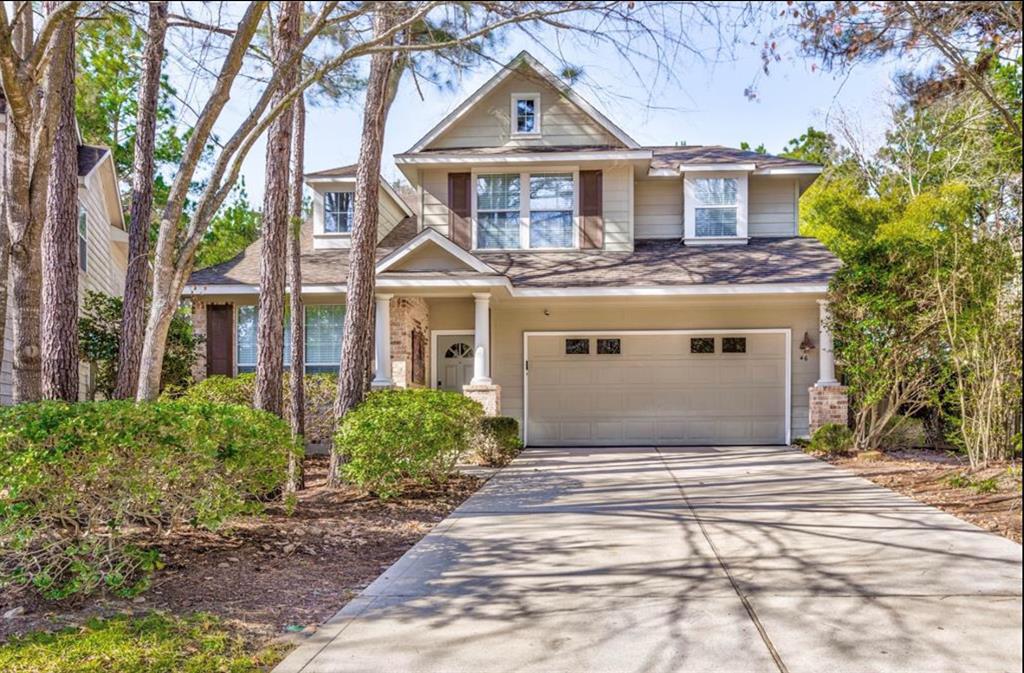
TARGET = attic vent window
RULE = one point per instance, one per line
(525, 114)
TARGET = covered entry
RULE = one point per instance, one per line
(671, 387)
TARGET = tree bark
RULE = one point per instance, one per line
(133, 321)
(297, 403)
(362, 255)
(270, 327)
(60, 262)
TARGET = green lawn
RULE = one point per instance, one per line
(151, 644)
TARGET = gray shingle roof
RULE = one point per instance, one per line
(88, 157)
(673, 157)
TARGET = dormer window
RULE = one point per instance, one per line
(339, 212)
(525, 114)
(715, 205)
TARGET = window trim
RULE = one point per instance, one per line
(524, 205)
(514, 116)
(351, 212)
(82, 227)
(691, 202)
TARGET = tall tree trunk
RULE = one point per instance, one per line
(133, 321)
(60, 232)
(5, 248)
(297, 403)
(270, 316)
(362, 256)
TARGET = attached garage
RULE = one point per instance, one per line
(668, 387)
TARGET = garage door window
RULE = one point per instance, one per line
(734, 345)
(702, 345)
(577, 346)
(609, 347)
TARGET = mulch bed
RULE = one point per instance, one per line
(276, 574)
(925, 475)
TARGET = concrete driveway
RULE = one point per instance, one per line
(686, 559)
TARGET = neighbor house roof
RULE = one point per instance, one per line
(88, 158)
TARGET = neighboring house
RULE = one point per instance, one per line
(102, 244)
(600, 291)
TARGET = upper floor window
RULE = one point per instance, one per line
(83, 248)
(716, 211)
(544, 218)
(339, 212)
(525, 114)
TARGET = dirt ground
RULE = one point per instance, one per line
(989, 498)
(274, 575)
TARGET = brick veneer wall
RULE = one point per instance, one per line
(829, 404)
(409, 314)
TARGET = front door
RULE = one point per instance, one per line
(454, 361)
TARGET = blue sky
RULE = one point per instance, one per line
(705, 106)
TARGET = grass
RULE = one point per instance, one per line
(154, 643)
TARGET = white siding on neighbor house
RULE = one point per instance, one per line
(659, 208)
(772, 206)
(488, 123)
(105, 269)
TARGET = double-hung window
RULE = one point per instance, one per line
(551, 210)
(497, 211)
(525, 114)
(324, 325)
(543, 218)
(716, 211)
(339, 212)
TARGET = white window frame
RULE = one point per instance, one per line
(691, 202)
(287, 364)
(351, 212)
(83, 239)
(524, 205)
(514, 117)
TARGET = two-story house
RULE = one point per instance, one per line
(600, 291)
(102, 244)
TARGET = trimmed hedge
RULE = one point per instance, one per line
(498, 442)
(79, 482)
(320, 392)
(397, 437)
(833, 439)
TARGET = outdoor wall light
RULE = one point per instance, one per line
(547, 312)
(806, 346)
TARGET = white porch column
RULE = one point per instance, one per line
(382, 342)
(482, 335)
(826, 356)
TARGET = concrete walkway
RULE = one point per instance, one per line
(688, 559)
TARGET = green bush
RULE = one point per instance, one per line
(320, 392)
(82, 484)
(833, 439)
(154, 643)
(99, 338)
(400, 436)
(904, 432)
(498, 442)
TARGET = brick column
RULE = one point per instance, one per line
(410, 322)
(829, 404)
(199, 329)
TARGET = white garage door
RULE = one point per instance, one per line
(665, 388)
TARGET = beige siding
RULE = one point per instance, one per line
(390, 215)
(772, 207)
(434, 185)
(659, 209)
(488, 123)
(510, 321)
(617, 208)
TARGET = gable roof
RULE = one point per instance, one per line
(430, 237)
(348, 174)
(523, 58)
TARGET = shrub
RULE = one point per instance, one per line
(320, 392)
(99, 338)
(153, 643)
(81, 484)
(498, 442)
(904, 432)
(400, 436)
(832, 439)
